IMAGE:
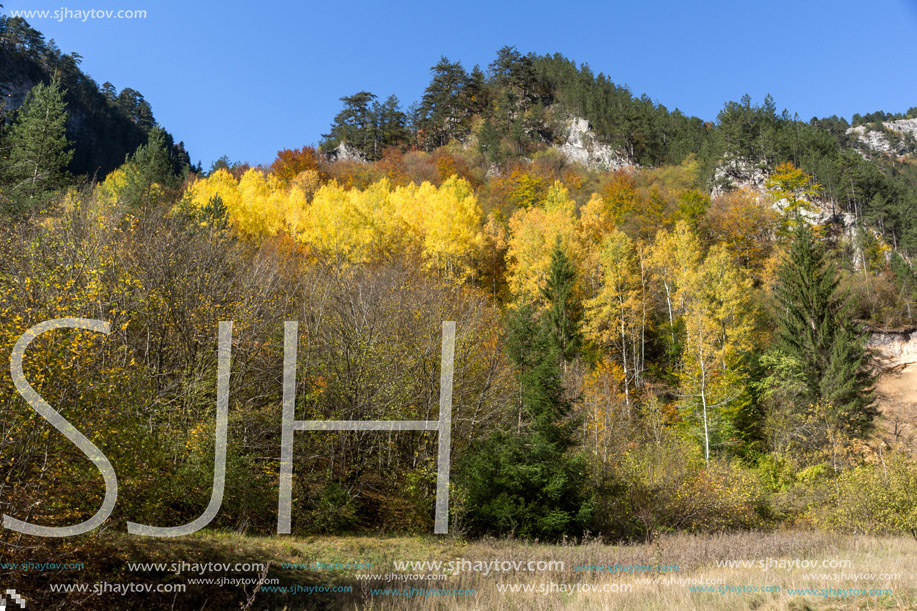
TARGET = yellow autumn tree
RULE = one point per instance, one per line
(595, 222)
(606, 417)
(109, 190)
(673, 259)
(443, 223)
(296, 213)
(257, 204)
(718, 331)
(219, 185)
(452, 228)
(620, 195)
(261, 204)
(532, 235)
(615, 316)
(356, 224)
(794, 193)
(744, 222)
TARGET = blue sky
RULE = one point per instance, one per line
(247, 79)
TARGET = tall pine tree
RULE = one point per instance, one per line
(444, 110)
(525, 481)
(565, 311)
(817, 334)
(149, 173)
(38, 150)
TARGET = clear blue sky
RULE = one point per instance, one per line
(247, 79)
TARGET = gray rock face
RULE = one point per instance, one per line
(582, 147)
(878, 142)
(733, 174)
(345, 152)
(12, 97)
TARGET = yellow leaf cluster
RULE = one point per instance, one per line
(441, 224)
(533, 233)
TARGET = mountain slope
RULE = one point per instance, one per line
(104, 125)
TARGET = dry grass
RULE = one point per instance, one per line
(695, 556)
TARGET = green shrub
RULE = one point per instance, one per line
(668, 487)
(872, 498)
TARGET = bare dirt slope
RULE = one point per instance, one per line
(896, 389)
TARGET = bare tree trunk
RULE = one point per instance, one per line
(703, 398)
(624, 359)
(668, 302)
(642, 320)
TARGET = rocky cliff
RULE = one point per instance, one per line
(581, 146)
(894, 137)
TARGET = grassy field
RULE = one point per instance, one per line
(862, 573)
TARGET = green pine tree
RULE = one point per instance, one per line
(355, 125)
(476, 91)
(489, 141)
(149, 172)
(38, 150)
(443, 112)
(391, 125)
(565, 312)
(526, 481)
(514, 75)
(815, 331)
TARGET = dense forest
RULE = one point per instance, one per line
(520, 106)
(639, 350)
(103, 124)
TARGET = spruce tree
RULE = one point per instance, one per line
(38, 149)
(149, 172)
(565, 311)
(815, 331)
(525, 481)
(476, 91)
(392, 124)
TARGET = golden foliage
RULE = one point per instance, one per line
(440, 224)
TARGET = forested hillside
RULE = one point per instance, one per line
(103, 124)
(675, 341)
(523, 103)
